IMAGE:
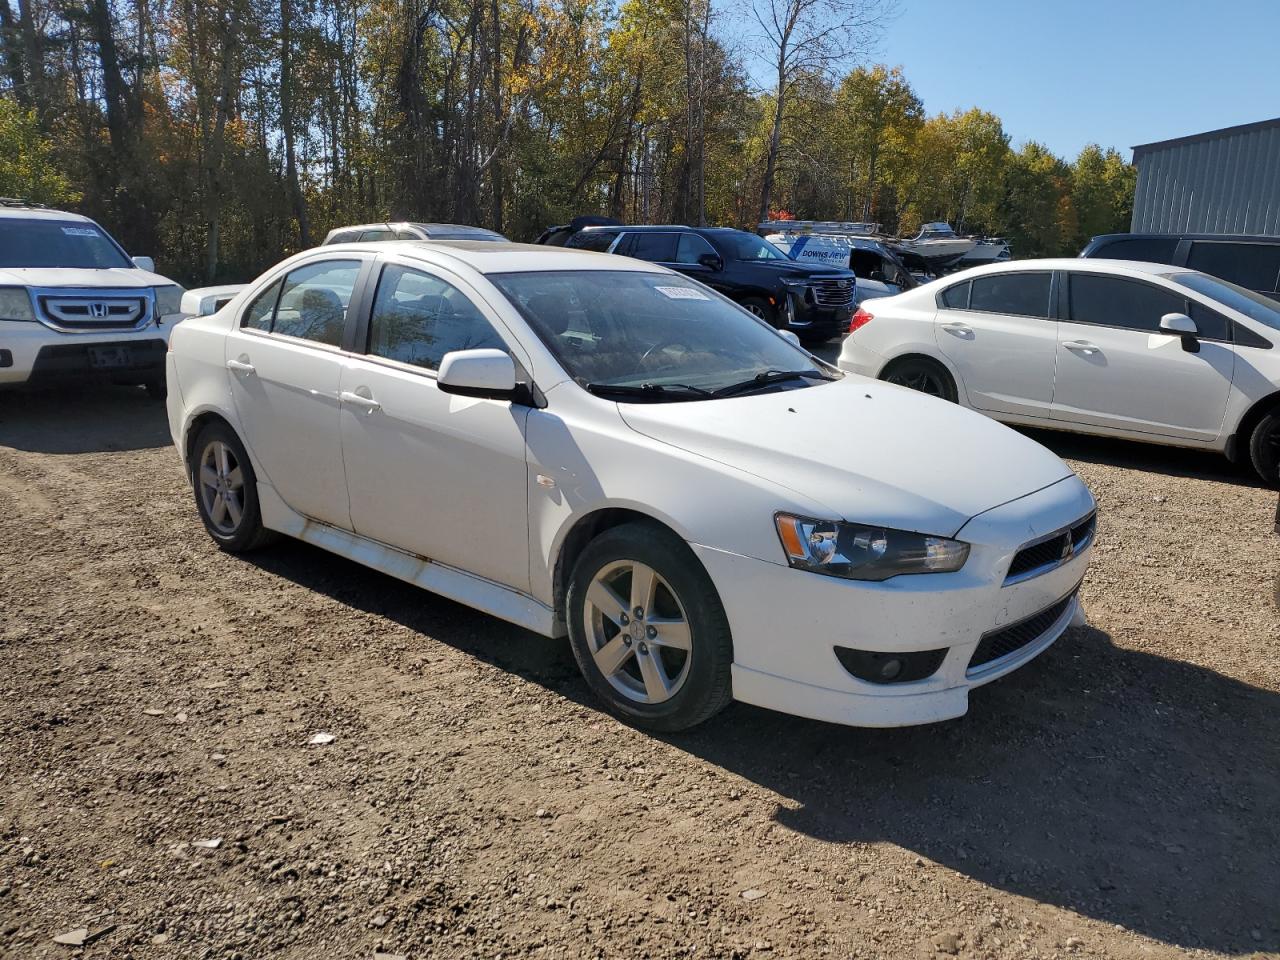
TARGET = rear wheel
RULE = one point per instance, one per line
(922, 374)
(1264, 448)
(648, 630)
(226, 490)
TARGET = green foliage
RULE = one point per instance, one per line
(27, 167)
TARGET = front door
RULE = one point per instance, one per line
(284, 363)
(998, 332)
(436, 475)
(1117, 368)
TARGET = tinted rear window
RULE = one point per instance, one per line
(956, 297)
(1148, 249)
(1021, 294)
(655, 247)
(1252, 265)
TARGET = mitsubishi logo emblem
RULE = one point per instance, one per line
(98, 310)
(1067, 548)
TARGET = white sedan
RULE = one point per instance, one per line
(1144, 351)
(585, 444)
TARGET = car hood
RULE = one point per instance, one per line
(871, 452)
(793, 268)
(122, 277)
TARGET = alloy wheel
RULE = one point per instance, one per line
(638, 633)
(221, 483)
(919, 379)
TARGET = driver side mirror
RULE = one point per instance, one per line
(711, 261)
(1183, 325)
(490, 374)
(145, 263)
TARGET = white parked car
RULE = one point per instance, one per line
(1138, 350)
(74, 306)
(593, 445)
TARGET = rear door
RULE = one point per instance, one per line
(1117, 369)
(999, 333)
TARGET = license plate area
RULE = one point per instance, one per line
(110, 358)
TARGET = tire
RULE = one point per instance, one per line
(157, 389)
(661, 686)
(762, 310)
(233, 483)
(1264, 448)
(922, 374)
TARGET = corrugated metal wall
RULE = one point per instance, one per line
(1227, 184)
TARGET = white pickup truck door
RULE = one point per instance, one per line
(436, 475)
(284, 364)
(997, 332)
(1117, 369)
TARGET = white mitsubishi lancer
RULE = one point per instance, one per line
(589, 445)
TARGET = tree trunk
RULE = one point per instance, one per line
(286, 122)
(775, 142)
(9, 36)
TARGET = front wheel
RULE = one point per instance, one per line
(226, 490)
(762, 310)
(922, 374)
(648, 630)
(1264, 448)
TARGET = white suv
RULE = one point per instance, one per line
(74, 306)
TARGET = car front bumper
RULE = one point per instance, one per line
(32, 354)
(815, 323)
(786, 623)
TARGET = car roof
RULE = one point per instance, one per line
(8, 212)
(1095, 265)
(485, 256)
(658, 228)
(429, 227)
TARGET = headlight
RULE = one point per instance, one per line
(168, 300)
(856, 551)
(15, 304)
(791, 283)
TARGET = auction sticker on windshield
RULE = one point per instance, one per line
(80, 231)
(682, 293)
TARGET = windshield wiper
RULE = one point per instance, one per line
(647, 391)
(768, 377)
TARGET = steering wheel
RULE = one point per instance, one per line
(662, 345)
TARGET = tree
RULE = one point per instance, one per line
(802, 38)
(27, 163)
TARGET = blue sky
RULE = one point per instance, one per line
(1072, 72)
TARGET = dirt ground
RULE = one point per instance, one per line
(1119, 797)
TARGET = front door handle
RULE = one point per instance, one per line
(241, 366)
(367, 404)
(1082, 347)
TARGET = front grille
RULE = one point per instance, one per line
(1052, 551)
(82, 310)
(1007, 640)
(833, 293)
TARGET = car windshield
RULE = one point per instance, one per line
(659, 336)
(1255, 306)
(747, 246)
(57, 243)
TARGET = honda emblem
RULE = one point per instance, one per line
(98, 310)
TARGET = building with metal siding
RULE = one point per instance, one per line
(1223, 181)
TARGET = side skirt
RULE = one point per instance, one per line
(477, 592)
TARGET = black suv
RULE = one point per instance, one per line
(1250, 262)
(814, 302)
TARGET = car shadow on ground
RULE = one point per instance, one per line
(87, 419)
(1127, 787)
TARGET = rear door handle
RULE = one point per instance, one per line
(960, 329)
(1082, 346)
(356, 400)
(241, 366)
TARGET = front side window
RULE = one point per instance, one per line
(57, 243)
(263, 309)
(1120, 302)
(651, 336)
(418, 318)
(690, 247)
(1020, 294)
(740, 245)
(312, 302)
(1252, 265)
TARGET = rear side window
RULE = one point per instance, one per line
(1020, 294)
(1148, 249)
(654, 247)
(312, 302)
(407, 235)
(1119, 302)
(596, 240)
(956, 297)
(1252, 265)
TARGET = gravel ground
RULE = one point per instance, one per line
(1119, 797)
